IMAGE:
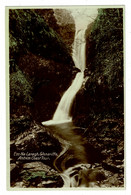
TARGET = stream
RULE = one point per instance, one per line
(73, 161)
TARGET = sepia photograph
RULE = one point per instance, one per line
(66, 97)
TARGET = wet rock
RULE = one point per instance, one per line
(37, 174)
(32, 156)
(14, 170)
(36, 143)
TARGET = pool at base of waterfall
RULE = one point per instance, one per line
(53, 122)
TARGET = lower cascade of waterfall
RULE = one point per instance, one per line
(62, 113)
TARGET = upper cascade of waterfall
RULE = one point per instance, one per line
(79, 49)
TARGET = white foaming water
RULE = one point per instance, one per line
(79, 50)
(62, 113)
(63, 109)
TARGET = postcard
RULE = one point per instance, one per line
(65, 78)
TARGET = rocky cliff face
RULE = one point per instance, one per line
(40, 63)
(102, 93)
(99, 105)
(41, 69)
(66, 25)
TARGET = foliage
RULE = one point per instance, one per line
(105, 55)
(32, 33)
(20, 88)
(43, 60)
(48, 15)
(29, 175)
(32, 175)
(64, 16)
(66, 26)
(102, 94)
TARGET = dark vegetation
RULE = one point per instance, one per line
(103, 92)
(41, 69)
(40, 65)
(66, 26)
(99, 106)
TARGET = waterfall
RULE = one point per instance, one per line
(63, 110)
(62, 113)
(79, 50)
